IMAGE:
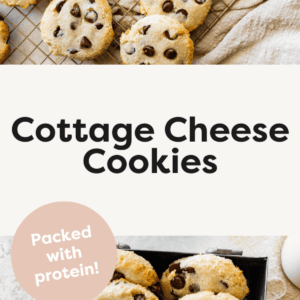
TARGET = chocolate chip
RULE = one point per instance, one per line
(91, 16)
(189, 270)
(73, 25)
(174, 266)
(170, 54)
(145, 28)
(183, 12)
(224, 284)
(76, 11)
(99, 26)
(168, 6)
(139, 297)
(85, 43)
(58, 32)
(200, 1)
(73, 51)
(149, 51)
(194, 288)
(167, 34)
(59, 6)
(1, 18)
(129, 49)
(117, 275)
(178, 282)
(92, 1)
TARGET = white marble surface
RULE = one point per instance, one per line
(279, 286)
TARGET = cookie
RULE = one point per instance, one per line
(21, 3)
(79, 29)
(190, 13)
(4, 35)
(203, 273)
(122, 289)
(136, 269)
(209, 296)
(157, 40)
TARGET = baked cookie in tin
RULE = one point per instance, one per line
(136, 269)
(209, 296)
(122, 289)
(203, 273)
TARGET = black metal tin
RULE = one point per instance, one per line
(255, 268)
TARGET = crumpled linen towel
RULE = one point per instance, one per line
(269, 34)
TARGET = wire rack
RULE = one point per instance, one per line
(27, 46)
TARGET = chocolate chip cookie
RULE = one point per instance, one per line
(190, 13)
(203, 273)
(79, 29)
(157, 40)
(122, 289)
(4, 35)
(21, 3)
(136, 269)
(209, 296)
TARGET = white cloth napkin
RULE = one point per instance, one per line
(265, 33)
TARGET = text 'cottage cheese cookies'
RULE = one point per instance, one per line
(4, 35)
(79, 29)
(136, 269)
(122, 289)
(157, 40)
(203, 273)
(191, 13)
(209, 296)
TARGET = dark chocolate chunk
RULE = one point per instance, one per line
(117, 275)
(149, 51)
(59, 6)
(183, 12)
(99, 26)
(73, 51)
(139, 297)
(170, 54)
(129, 49)
(76, 12)
(85, 43)
(224, 284)
(92, 1)
(1, 18)
(145, 28)
(168, 6)
(174, 266)
(189, 270)
(73, 25)
(58, 32)
(167, 34)
(200, 1)
(178, 282)
(194, 288)
(91, 16)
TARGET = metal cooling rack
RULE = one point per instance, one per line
(27, 46)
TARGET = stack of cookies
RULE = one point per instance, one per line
(82, 29)
(199, 277)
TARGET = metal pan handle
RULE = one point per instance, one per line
(123, 246)
(224, 251)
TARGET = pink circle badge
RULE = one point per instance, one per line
(63, 250)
